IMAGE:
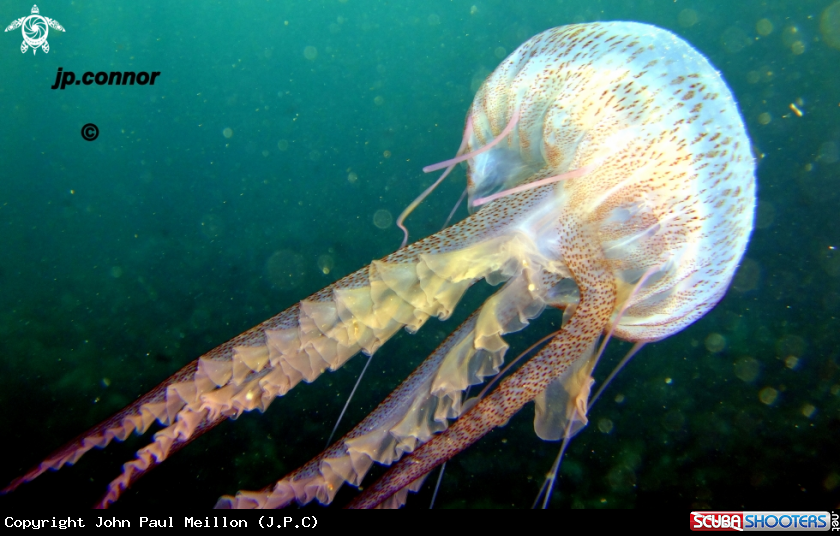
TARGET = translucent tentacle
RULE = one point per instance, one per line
(359, 312)
(420, 406)
(592, 316)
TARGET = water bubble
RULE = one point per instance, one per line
(764, 27)
(830, 25)
(227, 132)
(283, 145)
(687, 18)
(310, 53)
(382, 218)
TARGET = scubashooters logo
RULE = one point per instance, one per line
(35, 29)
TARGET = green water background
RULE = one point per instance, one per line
(249, 175)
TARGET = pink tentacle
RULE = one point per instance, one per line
(580, 172)
(119, 427)
(514, 118)
(133, 470)
(410, 208)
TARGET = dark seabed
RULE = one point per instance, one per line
(251, 174)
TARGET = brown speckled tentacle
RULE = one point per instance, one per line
(598, 299)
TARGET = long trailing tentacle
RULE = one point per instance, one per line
(419, 407)
(575, 341)
(359, 312)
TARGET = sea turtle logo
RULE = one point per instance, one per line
(35, 30)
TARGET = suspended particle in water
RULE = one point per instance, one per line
(285, 269)
(687, 18)
(382, 218)
(326, 263)
(747, 277)
(310, 53)
(830, 25)
(765, 214)
(734, 39)
(790, 35)
(768, 395)
(227, 132)
(747, 369)
(764, 27)
(212, 226)
(283, 145)
(715, 343)
(828, 153)
(352, 177)
(764, 118)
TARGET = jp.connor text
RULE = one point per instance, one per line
(114, 78)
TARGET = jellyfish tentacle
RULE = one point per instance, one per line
(359, 312)
(575, 341)
(364, 311)
(419, 199)
(421, 405)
